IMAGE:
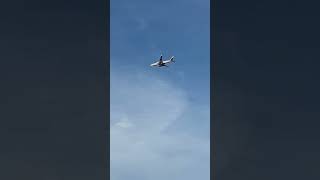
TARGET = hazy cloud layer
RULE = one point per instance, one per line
(150, 118)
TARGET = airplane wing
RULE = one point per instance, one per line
(169, 61)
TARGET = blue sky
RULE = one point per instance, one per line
(160, 116)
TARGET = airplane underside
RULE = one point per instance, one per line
(161, 65)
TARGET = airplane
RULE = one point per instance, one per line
(161, 63)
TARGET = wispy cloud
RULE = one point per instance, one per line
(143, 146)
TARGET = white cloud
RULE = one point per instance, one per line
(124, 123)
(143, 108)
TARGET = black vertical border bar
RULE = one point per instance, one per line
(107, 84)
(213, 144)
(27, 143)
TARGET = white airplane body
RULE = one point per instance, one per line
(161, 63)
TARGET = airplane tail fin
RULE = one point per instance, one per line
(172, 59)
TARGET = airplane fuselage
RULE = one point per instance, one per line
(158, 64)
(161, 63)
